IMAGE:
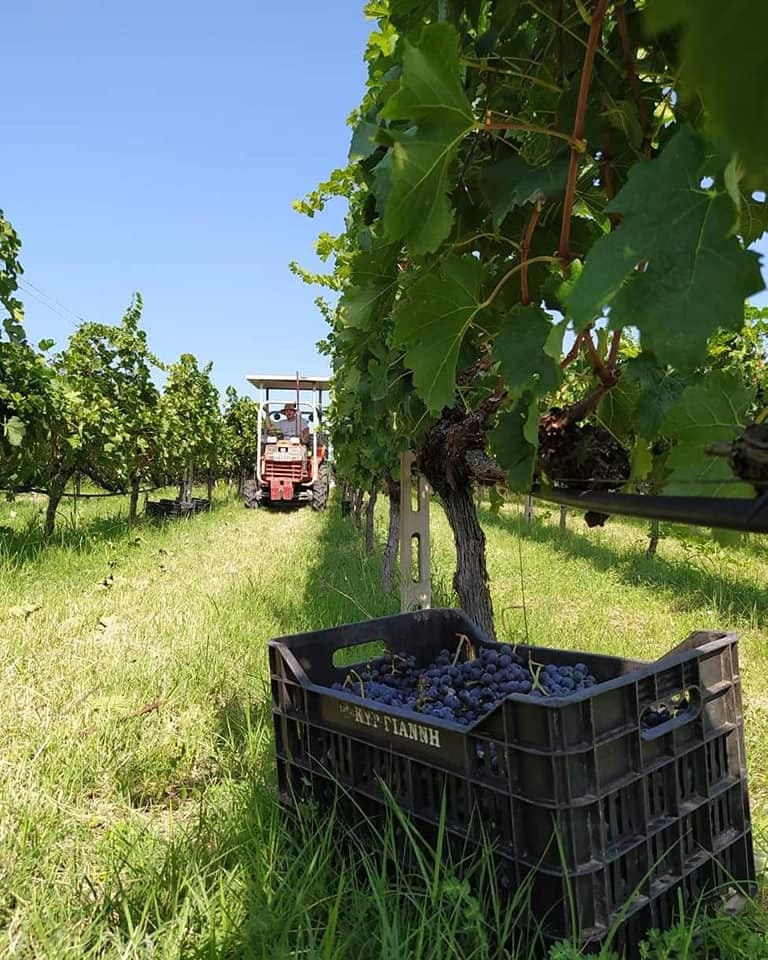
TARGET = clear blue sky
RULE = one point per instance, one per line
(157, 146)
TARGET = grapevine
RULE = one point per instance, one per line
(93, 409)
(550, 206)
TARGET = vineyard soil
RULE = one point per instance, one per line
(137, 812)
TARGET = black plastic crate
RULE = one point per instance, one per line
(604, 818)
(164, 509)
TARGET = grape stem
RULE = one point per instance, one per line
(350, 682)
(484, 66)
(578, 145)
(463, 642)
(535, 669)
(508, 275)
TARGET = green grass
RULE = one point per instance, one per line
(137, 802)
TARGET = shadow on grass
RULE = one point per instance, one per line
(343, 582)
(27, 542)
(691, 585)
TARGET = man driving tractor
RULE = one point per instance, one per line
(291, 425)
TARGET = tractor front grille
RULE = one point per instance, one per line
(281, 470)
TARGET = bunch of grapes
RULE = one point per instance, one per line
(663, 712)
(462, 690)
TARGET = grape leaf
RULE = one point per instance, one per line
(641, 460)
(497, 501)
(749, 195)
(697, 275)
(431, 97)
(724, 51)
(616, 409)
(14, 430)
(711, 411)
(521, 349)
(503, 13)
(372, 275)
(382, 180)
(379, 384)
(363, 141)
(405, 13)
(658, 390)
(431, 324)
(623, 116)
(515, 440)
(512, 182)
(753, 219)
(726, 538)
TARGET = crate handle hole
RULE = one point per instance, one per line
(359, 653)
(670, 711)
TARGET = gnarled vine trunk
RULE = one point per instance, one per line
(187, 480)
(470, 581)
(56, 490)
(653, 539)
(134, 501)
(357, 506)
(443, 459)
(370, 516)
(389, 560)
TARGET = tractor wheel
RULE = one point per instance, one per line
(250, 491)
(320, 489)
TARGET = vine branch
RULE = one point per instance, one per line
(606, 174)
(559, 72)
(634, 82)
(582, 408)
(525, 250)
(607, 378)
(564, 251)
(613, 353)
(573, 352)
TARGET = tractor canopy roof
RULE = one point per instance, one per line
(287, 382)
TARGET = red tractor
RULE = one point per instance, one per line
(292, 463)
